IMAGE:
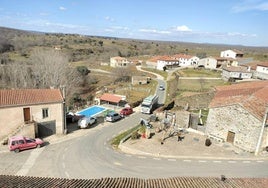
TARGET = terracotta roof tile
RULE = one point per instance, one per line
(211, 182)
(236, 68)
(29, 96)
(184, 56)
(253, 96)
(263, 64)
(110, 98)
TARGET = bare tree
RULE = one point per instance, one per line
(51, 69)
(16, 75)
(122, 74)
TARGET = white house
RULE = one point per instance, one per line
(262, 71)
(236, 72)
(208, 63)
(166, 62)
(186, 60)
(232, 53)
(118, 62)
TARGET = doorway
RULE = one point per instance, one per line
(26, 114)
(230, 137)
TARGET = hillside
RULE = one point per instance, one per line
(92, 50)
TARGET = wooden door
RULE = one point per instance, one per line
(27, 115)
(230, 137)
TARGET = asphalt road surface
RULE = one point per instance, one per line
(91, 156)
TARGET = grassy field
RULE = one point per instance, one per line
(162, 73)
(198, 85)
(189, 72)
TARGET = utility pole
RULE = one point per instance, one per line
(261, 133)
(62, 88)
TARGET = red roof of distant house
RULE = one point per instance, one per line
(110, 98)
(237, 51)
(263, 64)
(184, 56)
(29, 96)
(253, 96)
(236, 69)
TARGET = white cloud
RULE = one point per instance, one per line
(108, 18)
(183, 28)
(248, 5)
(62, 8)
(154, 31)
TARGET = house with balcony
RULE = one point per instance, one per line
(186, 60)
(119, 62)
(31, 112)
(166, 62)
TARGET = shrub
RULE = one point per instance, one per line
(135, 135)
(208, 142)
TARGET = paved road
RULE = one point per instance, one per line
(90, 155)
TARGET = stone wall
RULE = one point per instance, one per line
(235, 119)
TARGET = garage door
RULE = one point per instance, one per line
(46, 129)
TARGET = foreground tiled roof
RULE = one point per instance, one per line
(110, 98)
(253, 96)
(18, 97)
(9, 181)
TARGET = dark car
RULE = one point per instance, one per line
(161, 87)
(126, 111)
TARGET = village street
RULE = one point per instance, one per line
(88, 154)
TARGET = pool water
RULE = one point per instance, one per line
(92, 111)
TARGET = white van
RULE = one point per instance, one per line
(86, 121)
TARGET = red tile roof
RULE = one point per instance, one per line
(263, 64)
(253, 96)
(236, 69)
(173, 182)
(110, 98)
(183, 56)
(29, 97)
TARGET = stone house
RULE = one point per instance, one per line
(208, 63)
(238, 115)
(41, 111)
(138, 80)
(226, 61)
(119, 62)
(236, 72)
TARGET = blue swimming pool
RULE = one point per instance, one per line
(92, 111)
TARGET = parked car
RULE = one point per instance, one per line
(113, 116)
(126, 111)
(72, 117)
(19, 143)
(86, 121)
(161, 87)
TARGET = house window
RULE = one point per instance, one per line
(45, 112)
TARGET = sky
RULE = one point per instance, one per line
(235, 22)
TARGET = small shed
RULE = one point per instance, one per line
(113, 99)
